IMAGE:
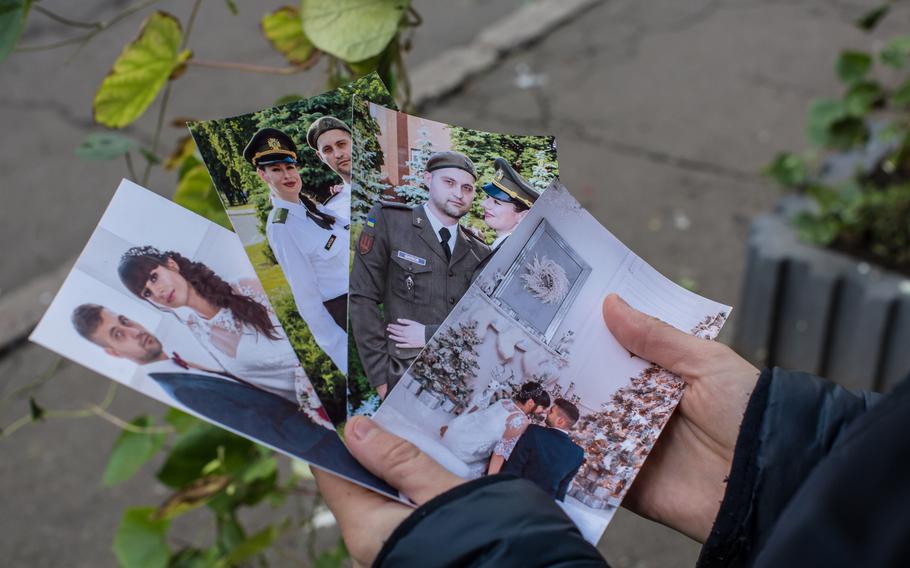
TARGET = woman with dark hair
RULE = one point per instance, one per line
(484, 438)
(233, 321)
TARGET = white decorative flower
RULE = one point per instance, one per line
(546, 280)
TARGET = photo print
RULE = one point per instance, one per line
(283, 175)
(167, 303)
(524, 377)
(431, 203)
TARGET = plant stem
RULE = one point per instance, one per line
(124, 425)
(129, 167)
(97, 28)
(252, 68)
(63, 19)
(159, 126)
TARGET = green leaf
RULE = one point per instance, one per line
(104, 146)
(789, 170)
(847, 132)
(901, 95)
(141, 70)
(284, 30)
(288, 99)
(250, 547)
(861, 97)
(131, 451)
(895, 52)
(853, 65)
(816, 230)
(194, 558)
(822, 114)
(868, 21)
(332, 558)
(260, 469)
(826, 197)
(13, 14)
(181, 421)
(36, 411)
(232, 6)
(198, 446)
(352, 30)
(196, 192)
(141, 541)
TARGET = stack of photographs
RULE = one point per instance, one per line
(439, 278)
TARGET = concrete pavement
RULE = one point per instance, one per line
(664, 112)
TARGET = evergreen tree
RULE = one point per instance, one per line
(412, 190)
(449, 362)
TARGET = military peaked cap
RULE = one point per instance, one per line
(270, 146)
(441, 160)
(508, 186)
(321, 126)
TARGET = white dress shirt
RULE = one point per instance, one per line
(437, 224)
(339, 205)
(315, 263)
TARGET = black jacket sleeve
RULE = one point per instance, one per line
(497, 521)
(792, 422)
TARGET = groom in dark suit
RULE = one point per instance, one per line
(546, 455)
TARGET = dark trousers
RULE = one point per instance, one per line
(338, 307)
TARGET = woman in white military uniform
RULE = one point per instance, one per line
(310, 244)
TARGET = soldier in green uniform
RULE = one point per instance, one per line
(415, 262)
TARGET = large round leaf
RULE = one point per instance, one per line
(140, 72)
(141, 540)
(12, 19)
(284, 30)
(352, 30)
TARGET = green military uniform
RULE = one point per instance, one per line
(401, 265)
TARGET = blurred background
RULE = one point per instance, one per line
(677, 123)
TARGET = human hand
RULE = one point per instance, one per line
(383, 390)
(407, 333)
(366, 518)
(335, 189)
(682, 482)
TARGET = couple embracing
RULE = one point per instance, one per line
(502, 439)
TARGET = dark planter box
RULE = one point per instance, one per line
(812, 309)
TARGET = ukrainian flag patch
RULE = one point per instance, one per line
(371, 222)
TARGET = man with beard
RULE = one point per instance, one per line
(262, 412)
(310, 243)
(331, 139)
(412, 265)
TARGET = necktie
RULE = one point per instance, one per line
(445, 235)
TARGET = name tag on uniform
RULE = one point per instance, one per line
(330, 242)
(411, 258)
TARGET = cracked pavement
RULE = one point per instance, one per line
(664, 113)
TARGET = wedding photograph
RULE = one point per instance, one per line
(283, 175)
(166, 302)
(523, 377)
(431, 204)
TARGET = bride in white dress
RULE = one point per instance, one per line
(484, 438)
(233, 321)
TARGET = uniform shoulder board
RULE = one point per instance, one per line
(395, 205)
(281, 215)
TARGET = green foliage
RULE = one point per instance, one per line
(142, 69)
(866, 214)
(352, 30)
(13, 14)
(284, 30)
(868, 21)
(533, 157)
(104, 146)
(131, 451)
(141, 540)
(196, 192)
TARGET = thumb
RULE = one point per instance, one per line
(398, 462)
(654, 340)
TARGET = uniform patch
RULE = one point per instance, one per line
(365, 244)
(411, 258)
(330, 242)
(280, 217)
(371, 222)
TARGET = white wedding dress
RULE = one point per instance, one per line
(473, 437)
(243, 351)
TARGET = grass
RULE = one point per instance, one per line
(270, 275)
